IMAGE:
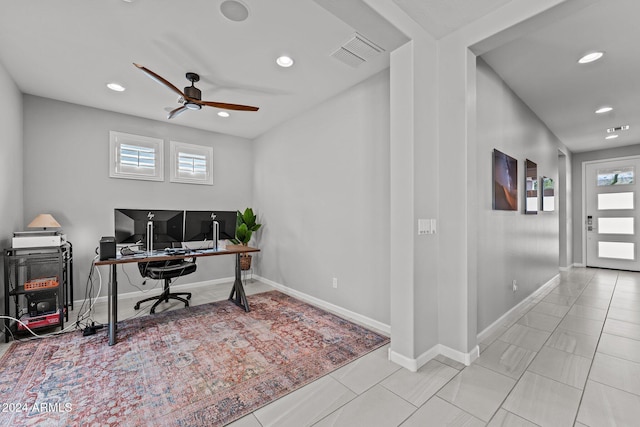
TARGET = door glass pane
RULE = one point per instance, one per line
(616, 250)
(615, 226)
(611, 201)
(617, 176)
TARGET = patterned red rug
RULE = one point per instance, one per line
(205, 365)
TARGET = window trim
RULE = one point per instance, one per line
(117, 139)
(192, 149)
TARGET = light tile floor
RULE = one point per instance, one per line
(570, 357)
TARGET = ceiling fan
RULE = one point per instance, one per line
(191, 98)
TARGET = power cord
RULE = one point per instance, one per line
(86, 315)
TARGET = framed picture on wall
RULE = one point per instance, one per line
(505, 182)
(531, 187)
(548, 195)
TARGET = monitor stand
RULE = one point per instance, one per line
(150, 237)
(216, 234)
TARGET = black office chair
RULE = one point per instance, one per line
(166, 270)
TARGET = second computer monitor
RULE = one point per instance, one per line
(199, 225)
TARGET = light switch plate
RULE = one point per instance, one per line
(424, 226)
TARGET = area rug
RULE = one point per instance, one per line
(204, 365)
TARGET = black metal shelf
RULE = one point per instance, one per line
(22, 265)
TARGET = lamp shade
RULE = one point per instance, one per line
(44, 221)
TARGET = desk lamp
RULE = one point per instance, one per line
(44, 221)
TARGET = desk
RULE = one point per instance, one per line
(237, 295)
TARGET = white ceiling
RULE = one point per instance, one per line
(69, 49)
(442, 17)
(541, 67)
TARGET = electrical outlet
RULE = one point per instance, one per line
(335, 283)
(515, 285)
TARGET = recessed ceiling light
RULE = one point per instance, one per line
(603, 110)
(223, 114)
(284, 61)
(590, 57)
(234, 10)
(611, 137)
(116, 87)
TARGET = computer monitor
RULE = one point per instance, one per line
(131, 226)
(199, 225)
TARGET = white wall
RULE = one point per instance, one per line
(66, 150)
(414, 194)
(321, 189)
(514, 246)
(11, 164)
(565, 208)
(446, 133)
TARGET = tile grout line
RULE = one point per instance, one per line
(575, 418)
(620, 358)
(435, 394)
(501, 406)
(357, 395)
(537, 352)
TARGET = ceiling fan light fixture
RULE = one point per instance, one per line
(604, 109)
(116, 87)
(191, 95)
(590, 57)
(223, 114)
(284, 61)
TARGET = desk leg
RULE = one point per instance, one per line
(113, 304)
(238, 296)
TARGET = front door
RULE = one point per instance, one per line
(611, 215)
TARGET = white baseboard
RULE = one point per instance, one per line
(464, 358)
(358, 318)
(572, 266)
(414, 364)
(140, 294)
(343, 312)
(495, 325)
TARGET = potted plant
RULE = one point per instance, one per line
(246, 225)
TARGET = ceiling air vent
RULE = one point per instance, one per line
(357, 50)
(618, 128)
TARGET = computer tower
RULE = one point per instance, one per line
(107, 248)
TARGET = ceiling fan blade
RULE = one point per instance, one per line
(225, 106)
(159, 79)
(176, 112)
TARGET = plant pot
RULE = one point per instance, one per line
(245, 262)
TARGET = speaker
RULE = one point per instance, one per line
(107, 248)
